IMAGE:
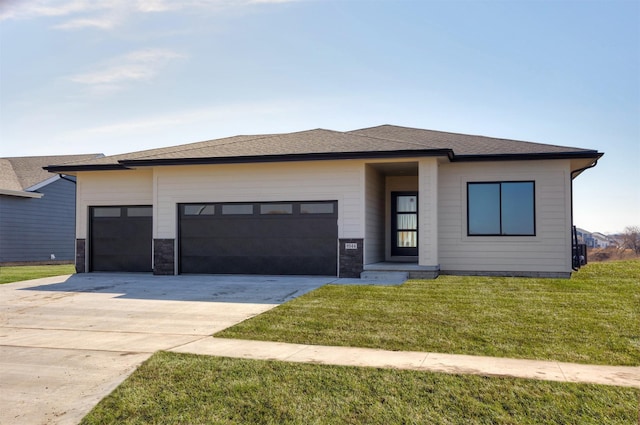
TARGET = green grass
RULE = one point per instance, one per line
(175, 388)
(594, 317)
(19, 273)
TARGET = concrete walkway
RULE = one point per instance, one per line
(448, 363)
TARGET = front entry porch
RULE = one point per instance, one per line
(401, 218)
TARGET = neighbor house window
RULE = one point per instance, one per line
(501, 209)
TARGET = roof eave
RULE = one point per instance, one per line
(72, 168)
(21, 193)
(529, 156)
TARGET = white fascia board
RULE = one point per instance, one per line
(21, 193)
(43, 183)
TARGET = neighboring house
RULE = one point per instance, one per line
(595, 239)
(37, 210)
(601, 240)
(331, 203)
(585, 237)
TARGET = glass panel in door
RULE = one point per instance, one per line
(404, 224)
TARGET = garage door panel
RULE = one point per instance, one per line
(299, 265)
(121, 242)
(290, 243)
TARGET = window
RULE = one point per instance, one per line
(276, 209)
(404, 223)
(501, 209)
(200, 209)
(319, 208)
(140, 212)
(107, 211)
(237, 209)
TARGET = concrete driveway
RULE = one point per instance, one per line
(67, 341)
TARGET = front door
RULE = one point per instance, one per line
(404, 223)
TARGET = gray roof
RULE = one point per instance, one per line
(382, 141)
(462, 144)
(21, 173)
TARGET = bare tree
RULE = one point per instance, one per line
(631, 238)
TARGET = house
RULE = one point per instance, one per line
(324, 202)
(595, 239)
(601, 240)
(585, 237)
(37, 210)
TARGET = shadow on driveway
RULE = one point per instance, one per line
(253, 289)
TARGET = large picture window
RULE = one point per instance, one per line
(501, 209)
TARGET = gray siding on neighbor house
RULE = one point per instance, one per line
(32, 229)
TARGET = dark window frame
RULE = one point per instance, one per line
(502, 234)
(398, 251)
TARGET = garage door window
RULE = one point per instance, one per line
(276, 209)
(107, 212)
(324, 208)
(139, 212)
(202, 209)
(237, 209)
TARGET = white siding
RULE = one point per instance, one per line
(342, 181)
(132, 187)
(548, 251)
(374, 216)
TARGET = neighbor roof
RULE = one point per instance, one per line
(22, 173)
(376, 142)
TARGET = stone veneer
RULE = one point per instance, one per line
(163, 256)
(81, 255)
(351, 257)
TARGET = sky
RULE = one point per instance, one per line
(117, 76)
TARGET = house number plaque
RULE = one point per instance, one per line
(350, 245)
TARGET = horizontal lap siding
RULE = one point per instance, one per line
(375, 216)
(548, 251)
(132, 187)
(296, 181)
(31, 229)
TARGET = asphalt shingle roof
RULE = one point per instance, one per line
(462, 144)
(20, 173)
(382, 139)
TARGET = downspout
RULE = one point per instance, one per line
(579, 170)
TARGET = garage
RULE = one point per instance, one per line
(120, 238)
(277, 238)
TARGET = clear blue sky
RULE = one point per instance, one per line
(117, 76)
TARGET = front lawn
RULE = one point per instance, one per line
(594, 317)
(175, 388)
(19, 273)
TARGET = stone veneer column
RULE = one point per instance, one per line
(163, 256)
(81, 255)
(351, 257)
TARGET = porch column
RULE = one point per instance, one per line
(428, 212)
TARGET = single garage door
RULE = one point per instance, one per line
(259, 238)
(120, 239)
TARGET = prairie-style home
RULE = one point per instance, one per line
(324, 202)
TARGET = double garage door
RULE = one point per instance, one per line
(298, 238)
(259, 238)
